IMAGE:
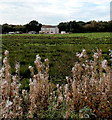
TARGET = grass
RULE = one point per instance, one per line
(59, 49)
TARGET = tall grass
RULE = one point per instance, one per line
(87, 94)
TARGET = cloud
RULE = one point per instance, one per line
(53, 11)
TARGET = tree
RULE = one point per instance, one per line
(62, 27)
(71, 26)
(20, 28)
(33, 26)
(0, 29)
(5, 28)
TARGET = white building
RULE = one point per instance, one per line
(32, 32)
(11, 32)
(63, 32)
(48, 29)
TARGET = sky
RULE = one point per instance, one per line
(52, 12)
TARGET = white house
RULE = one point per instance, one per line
(48, 29)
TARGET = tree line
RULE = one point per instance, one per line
(31, 26)
(80, 26)
(69, 27)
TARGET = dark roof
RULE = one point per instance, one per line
(48, 26)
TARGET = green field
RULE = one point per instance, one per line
(59, 49)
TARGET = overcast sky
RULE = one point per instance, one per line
(53, 11)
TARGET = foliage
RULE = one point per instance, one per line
(86, 113)
(31, 26)
(86, 94)
(59, 49)
(80, 26)
(70, 27)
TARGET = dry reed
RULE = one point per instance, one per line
(90, 86)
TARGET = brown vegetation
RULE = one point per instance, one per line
(87, 93)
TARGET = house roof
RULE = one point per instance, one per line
(48, 26)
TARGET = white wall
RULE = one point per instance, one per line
(54, 30)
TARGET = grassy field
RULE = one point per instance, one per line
(82, 84)
(59, 49)
(87, 94)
